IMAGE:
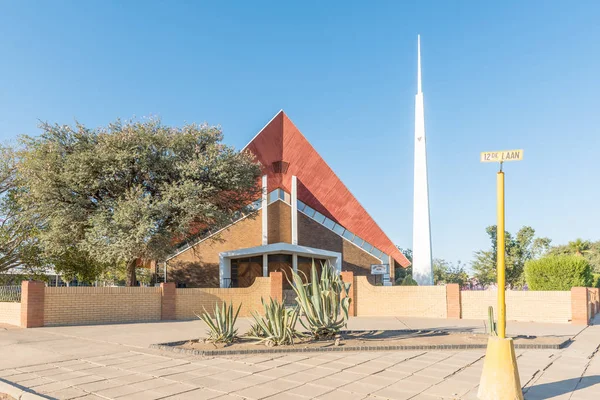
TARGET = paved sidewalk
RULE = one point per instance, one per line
(114, 362)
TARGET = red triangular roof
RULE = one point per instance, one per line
(318, 185)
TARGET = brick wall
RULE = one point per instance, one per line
(280, 223)
(199, 265)
(10, 313)
(399, 301)
(538, 306)
(101, 305)
(189, 302)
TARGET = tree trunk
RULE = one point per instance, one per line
(131, 278)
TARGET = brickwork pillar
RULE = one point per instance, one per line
(276, 278)
(32, 304)
(579, 306)
(453, 301)
(348, 277)
(167, 301)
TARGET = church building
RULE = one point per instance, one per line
(305, 215)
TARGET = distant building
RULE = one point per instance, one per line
(306, 213)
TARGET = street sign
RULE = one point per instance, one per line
(380, 269)
(502, 156)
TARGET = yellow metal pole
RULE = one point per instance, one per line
(500, 266)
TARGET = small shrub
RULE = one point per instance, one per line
(222, 327)
(408, 281)
(277, 327)
(323, 302)
(558, 273)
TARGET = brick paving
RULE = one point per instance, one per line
(84, 364)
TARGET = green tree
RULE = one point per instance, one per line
(124, 192)
(519, 249)
(580, 247)
(587, 249)
(19, 249)
(401, 273)
(445, 272)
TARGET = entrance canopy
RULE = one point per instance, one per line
(295, 251)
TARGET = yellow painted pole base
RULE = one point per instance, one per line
(500, 377)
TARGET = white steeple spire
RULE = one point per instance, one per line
(418, 63)
(422, 265)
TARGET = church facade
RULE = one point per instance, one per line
(306, 215)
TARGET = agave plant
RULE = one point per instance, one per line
(324, 301)
(222, 326)
(277, 327)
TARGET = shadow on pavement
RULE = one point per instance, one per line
(25, 389)
(549, 390)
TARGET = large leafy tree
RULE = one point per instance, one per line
(582, 248)
(125, 192)
(19, 248)
(520, 248)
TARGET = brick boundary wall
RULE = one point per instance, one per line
(192, 302)
(47, 306)
(399, 301)
(10, 313)
(101, 305)
(523, 306)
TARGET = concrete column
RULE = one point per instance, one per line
(294, 263)
(348, 277)
(265, 265)
(453, 301)
(167, 301)
(224, 270)
(265, 212)
(32, 304)
(294, 201)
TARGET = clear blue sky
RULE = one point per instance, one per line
(495, 76)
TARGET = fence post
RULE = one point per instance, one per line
(348, 277)
(276, 278)
(32, 304)
(579, 306)
(453, 301)
(167, 301)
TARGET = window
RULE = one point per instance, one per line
(376, 252)
(367, 246)
(384, 257)
(358, 241)
(329, 223)
(338, 229)
(320, 218)
(348, 235)
(273, 196)
(301, 206)
(309, 211)
(281, 194)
